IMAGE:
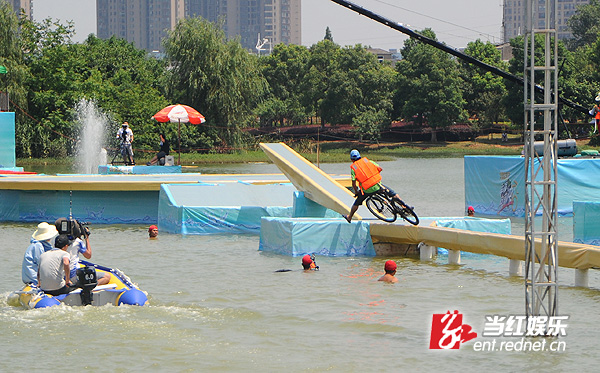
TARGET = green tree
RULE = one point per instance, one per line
(319, 68)
(483, 91)
(342, 83)
(357, 79)
(328, 35)
(368, 123)
(215, 76)
(284, 70)
(574, 80)
(585, 24)
(38, 36)
(13, 82)
(429, 85)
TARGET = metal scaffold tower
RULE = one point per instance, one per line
(541, 260)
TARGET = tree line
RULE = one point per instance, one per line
(48, 74)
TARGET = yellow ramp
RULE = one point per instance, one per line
(571, 255)
(306, 177)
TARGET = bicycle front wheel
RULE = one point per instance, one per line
(406, 212)
(381, 208)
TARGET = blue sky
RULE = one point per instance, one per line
(456, 22)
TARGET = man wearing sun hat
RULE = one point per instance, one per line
(390, 272)
(40, 243)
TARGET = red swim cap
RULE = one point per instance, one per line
(306, 259)
(152, 227)
(390, 266)
(471, 209)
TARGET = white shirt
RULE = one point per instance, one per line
(76, 247)
(128, 135)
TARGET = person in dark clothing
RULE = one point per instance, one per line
(164, 151)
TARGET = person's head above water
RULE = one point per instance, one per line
(308, 262)
(152, 231)
(390, 267)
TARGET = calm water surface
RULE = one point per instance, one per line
(217, 304)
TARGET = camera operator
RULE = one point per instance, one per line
(75, 230)
(125, 134)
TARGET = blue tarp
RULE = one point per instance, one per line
(586, 222)
(495, 185)
(325, 237)
(305, 208)
(97, 207)
(223, 208)
(501, 226)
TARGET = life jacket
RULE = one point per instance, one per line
(366, 173)
(597, 110)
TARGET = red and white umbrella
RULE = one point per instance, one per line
(179, 114)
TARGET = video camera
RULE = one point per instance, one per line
(72, 228)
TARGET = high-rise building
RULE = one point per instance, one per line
(145, 22)
(24, 5)
(513, 20)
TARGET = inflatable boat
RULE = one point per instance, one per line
(120, 290)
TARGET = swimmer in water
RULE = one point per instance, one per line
(308, 263)
(390, 272)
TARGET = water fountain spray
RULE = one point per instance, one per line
(90, 149)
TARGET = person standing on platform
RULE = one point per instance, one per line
(125, 134)
(390, 272)
(39, 244)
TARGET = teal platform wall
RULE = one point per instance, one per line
(7, 140)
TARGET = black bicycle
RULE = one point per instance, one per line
(387, 208)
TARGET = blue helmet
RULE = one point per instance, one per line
(354, 155)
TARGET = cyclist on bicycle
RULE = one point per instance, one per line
(367, 173)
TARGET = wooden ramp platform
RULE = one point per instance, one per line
(570, 255)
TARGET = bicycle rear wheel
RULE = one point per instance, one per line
(381, 208)
(406, 212)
